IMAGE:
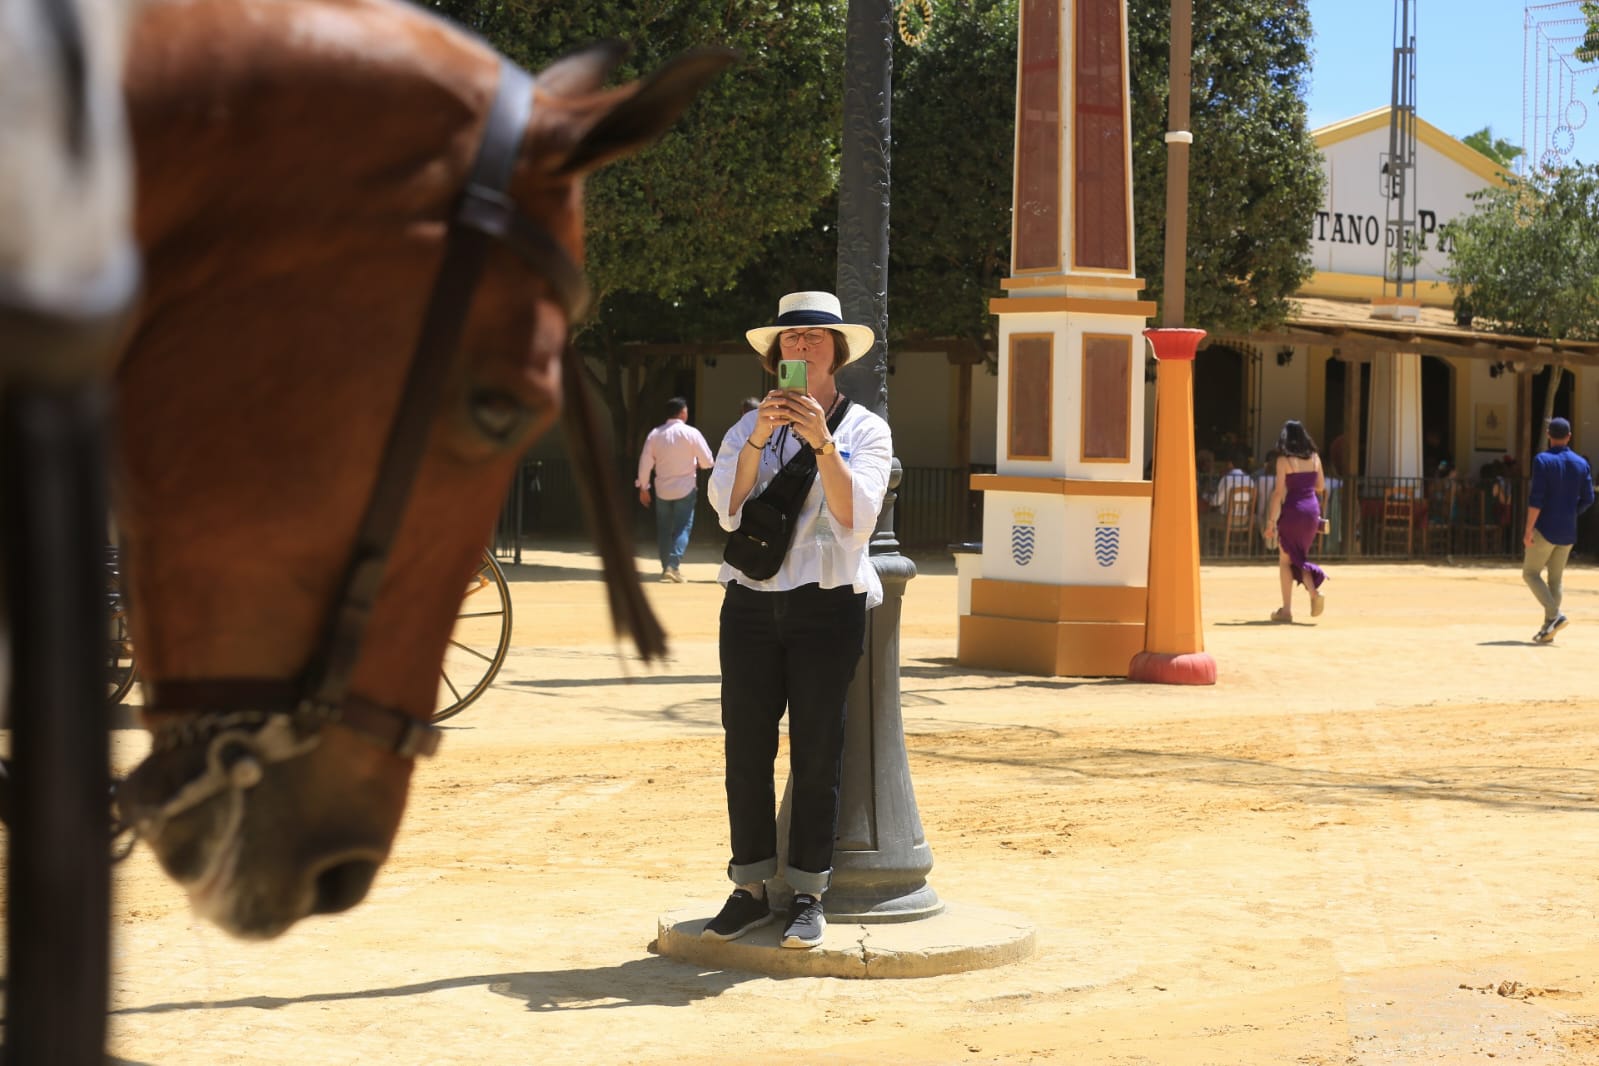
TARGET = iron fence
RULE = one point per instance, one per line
(1383, 518)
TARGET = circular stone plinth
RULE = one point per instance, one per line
(959, 939)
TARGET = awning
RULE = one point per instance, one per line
(1348, 326)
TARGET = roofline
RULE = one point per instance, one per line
(1426, 133)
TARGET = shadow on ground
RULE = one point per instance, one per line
(665, 983)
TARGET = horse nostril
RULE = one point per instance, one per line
(342, 885)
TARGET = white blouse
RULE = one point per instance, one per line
(822, 553)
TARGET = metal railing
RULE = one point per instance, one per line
(1385, 518)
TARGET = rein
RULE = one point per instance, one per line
(272, 720)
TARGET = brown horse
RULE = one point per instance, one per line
(299, 166)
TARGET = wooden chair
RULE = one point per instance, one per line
(1398, 520)
(1239, 523)
(1470, 507)
(1490, 522)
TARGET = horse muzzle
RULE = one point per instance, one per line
(240, 823)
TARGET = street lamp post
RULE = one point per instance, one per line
(882, 857)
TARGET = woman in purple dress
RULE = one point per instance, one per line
(1294, 517)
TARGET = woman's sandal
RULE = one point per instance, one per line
(1282, 614)
(1318, 604)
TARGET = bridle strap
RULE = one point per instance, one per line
(492, 212)
(327, 679)
(185, 709)
(483, 214)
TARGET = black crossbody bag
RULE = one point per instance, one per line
(757, 547)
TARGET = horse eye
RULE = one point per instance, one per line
(497, 414)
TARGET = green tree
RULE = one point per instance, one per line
(1526, 259)
(954, 118)
(1498, 149)
(1255, 175)
(750, 160)
(1588, 51)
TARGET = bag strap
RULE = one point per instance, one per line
(789, 487)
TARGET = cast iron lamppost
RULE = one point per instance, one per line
(882, 859)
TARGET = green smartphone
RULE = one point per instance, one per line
(791, 375)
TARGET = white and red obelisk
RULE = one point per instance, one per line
(1066, 530)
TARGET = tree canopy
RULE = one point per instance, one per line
(739, 197)
(752, 158)
(748, 163)
(1526, 259)
(1255, 178)
(950, 187)
(696, 238)
(1498, 149)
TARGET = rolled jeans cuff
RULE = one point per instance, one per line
(807, 882)
(751, 873)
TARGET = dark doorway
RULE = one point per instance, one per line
(1221, 425)
(1337, 442)
(1437, 414)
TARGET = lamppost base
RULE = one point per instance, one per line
(1166, 668)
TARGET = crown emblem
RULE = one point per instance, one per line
(1109, 518)
(1022, 516)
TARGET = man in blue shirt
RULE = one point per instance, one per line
(1561, 489)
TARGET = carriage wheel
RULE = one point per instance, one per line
(121, 671)
(478, 644)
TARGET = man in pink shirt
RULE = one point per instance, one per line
(675, 451)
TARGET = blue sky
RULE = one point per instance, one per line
(1469, 67)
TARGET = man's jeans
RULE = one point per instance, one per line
(795, 650)
(1539, 555)
(673, 521)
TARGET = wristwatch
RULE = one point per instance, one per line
(827, 447)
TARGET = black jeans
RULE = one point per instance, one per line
(797, 651)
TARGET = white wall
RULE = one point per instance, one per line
(722, 388)
(985, 415)
(921, 405)
(1475, 384)
(1354, 212)
(1284, 394)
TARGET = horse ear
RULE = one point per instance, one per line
(646, 112)
(583, 71)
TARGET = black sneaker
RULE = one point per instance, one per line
(741, 913)
(805, 922)
(1560, 622)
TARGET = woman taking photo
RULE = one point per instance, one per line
(1294, 518)
(791, 641)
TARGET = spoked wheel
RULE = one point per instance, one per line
(121, 671)
(478, 644)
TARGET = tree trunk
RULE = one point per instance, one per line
(1549, 403)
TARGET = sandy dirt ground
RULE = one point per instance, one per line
(1375, 840)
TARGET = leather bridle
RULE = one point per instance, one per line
(253, 710)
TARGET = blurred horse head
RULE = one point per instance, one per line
(326, 186)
